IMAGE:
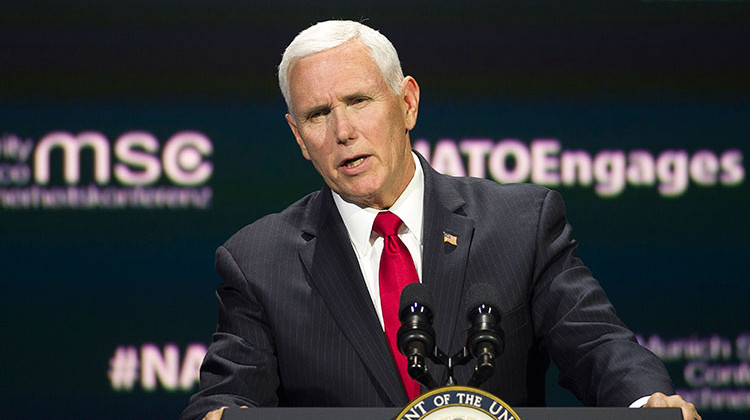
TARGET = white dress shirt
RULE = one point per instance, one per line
(368, 245)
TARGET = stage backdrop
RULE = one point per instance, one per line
(137, 136)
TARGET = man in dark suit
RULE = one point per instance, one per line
(302, 312)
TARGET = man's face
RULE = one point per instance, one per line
(351, 126)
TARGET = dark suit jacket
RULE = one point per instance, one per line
(297, 326)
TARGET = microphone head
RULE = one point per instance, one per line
(416, 336)
(415, 296)
(482, 298)
(485, 339)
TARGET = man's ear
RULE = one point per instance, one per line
(300, 142)
(410, 97)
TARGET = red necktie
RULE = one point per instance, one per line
(396, 271)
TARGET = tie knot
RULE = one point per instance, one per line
(386, 224)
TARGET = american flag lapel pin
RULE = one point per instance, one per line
(449, 238)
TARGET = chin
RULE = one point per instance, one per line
(361, 193)
(361, 199)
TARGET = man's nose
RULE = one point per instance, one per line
(343, 126)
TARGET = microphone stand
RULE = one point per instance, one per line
(458, 359)
(486, 347)
(418, 369)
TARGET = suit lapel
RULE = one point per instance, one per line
(444, 264)
(336, 275)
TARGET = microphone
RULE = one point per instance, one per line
(416, 338)
(486, 340)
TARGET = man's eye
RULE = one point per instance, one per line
(318, 114)
(359, 100)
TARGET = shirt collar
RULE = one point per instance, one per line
(408, 207)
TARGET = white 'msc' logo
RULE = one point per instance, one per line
(138, 160)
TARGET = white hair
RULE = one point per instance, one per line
(329, 34)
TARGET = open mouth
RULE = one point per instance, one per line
(354, 162)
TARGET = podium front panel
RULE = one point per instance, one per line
(526, 413)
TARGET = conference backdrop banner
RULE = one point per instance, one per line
(136, 137)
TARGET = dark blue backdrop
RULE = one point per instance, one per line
(76, 285)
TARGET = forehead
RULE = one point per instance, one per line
(333, 73)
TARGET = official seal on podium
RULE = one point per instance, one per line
(457, 403)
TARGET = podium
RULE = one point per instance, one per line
(528, 413)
